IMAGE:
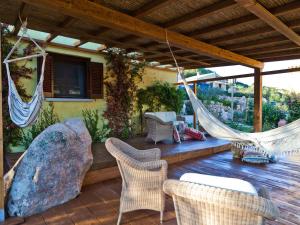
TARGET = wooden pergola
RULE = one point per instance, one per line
(206, 33)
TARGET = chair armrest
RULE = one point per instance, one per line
(223, 198)
(264, 193)
(154, 165)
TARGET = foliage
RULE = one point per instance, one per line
(191, 73)
(189, 108)
(210, 94)
(46, 118)
(160, 96)
(123, 75)
(11, 133)
(99, 133)
(271, 116)
(202, 71)
(294, 107)
(239, 126)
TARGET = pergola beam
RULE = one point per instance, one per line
(257, 9)
(277, 11)
(98, 14)
(257, 43)
(197, 14)
(200, 13)
(44, 26)
(246, 75)
(276, 48)
(144, 10)
(17, 23)
(287, 53)
(251, 33)
(150, 7)
(66, 22)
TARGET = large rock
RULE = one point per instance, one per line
(52, 170)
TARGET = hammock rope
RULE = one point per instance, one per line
(283, 140)
(23, 113)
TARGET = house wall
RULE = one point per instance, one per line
(70, 109)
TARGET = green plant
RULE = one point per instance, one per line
(240, 127)
(46, 118)
(98, 131)
(160, 95)
(271, 116)
(11, 133)
(123, 75)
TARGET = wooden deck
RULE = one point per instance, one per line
(105, 167)
(98, 204)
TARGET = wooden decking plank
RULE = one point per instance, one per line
(99, 203)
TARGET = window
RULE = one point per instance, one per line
(72, 77)
(69, 77)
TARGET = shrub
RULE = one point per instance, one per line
(46, 118)
(271, 116)
(99, 133)
(160, 96)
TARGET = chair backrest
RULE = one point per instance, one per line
(125, 159)
(164, 116)
(200, 204)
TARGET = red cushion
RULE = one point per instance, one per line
(195, 134)
(176, 135)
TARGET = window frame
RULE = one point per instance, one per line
(70, 58)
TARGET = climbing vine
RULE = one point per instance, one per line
(122, 77)
(11, 133)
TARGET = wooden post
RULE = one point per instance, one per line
(195, 116)
(2, 214)
(257, 100)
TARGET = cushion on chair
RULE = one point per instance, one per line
(220, 182)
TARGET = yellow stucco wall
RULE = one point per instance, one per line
(74, 109)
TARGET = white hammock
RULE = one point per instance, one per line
(22, 113)
(282, 140)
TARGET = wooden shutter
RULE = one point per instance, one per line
(48, 75)
(95, 80)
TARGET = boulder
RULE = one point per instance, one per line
(52, 170)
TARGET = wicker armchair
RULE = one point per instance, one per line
(143, 174)
(207, 205)
(160, 125)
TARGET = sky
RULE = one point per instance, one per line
(288, 81)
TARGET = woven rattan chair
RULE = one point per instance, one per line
(198, 204)
(143, 174)
(160, 125)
